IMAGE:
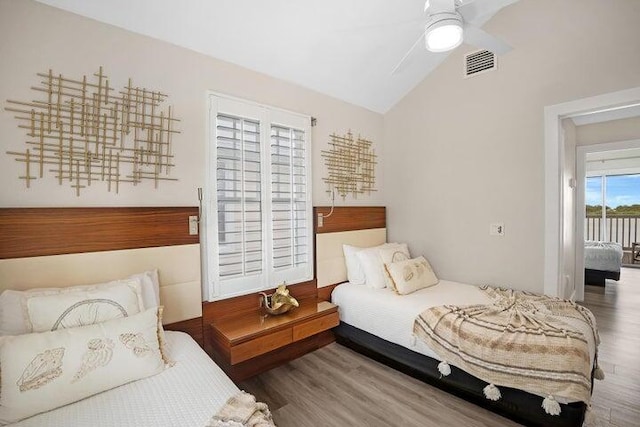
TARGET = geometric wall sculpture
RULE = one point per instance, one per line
(350, 165)
(85, 132)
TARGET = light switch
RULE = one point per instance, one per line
(496, 229)
(193, 225)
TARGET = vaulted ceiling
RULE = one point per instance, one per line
(342, 48)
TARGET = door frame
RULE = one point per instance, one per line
(581, 174)
(554, 160)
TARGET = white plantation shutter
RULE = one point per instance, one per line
(258, 219)
(289, 200)
(238, 179)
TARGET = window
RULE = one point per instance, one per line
(258, 218)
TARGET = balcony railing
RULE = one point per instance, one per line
(624, 229)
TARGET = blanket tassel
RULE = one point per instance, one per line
(598, 373)
(551, 405)
(444, 368)
(492, 392)
(590, 419)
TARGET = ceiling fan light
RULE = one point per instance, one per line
(443, 32)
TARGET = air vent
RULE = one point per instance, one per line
(479, 62)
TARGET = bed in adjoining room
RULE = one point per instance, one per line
(524, 356)
(602, 261)
(81, 311)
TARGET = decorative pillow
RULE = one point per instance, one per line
(393, 252)
(62, 310)
(43, 371)
(410, 275)
(12, 303)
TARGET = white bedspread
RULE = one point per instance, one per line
(389, 316)
(185, 395)
(604, 256)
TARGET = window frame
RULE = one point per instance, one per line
(213, 288)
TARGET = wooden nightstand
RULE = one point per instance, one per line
(252, 343)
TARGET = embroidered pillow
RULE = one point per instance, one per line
(411, 275)
(393, 252)
(43, 371)
(61, 310)
(14, 318)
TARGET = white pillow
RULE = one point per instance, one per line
(372, 264)
(150, 287)
(62, 310)
(355, 273)
(14, 322)
(410, 275)
(43, 371)
(373, 268)
(393, 252)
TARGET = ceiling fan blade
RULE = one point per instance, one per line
(436, 6)
(406, 55)
(469, 11)
(480, 38)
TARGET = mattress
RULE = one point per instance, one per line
(187, 394)
(604, 256)
(383, 313)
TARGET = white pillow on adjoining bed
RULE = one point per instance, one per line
(14, 315)
(355, 273)
(373, 266)
(43, 371)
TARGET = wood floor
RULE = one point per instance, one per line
(335, 386)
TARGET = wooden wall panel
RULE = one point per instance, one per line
(324, 293)
(192, 326)
(212, 311)
(348, 218)
(28, 232)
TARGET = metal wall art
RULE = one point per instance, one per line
(86, 132)
(350, 165)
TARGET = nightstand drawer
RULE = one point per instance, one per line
(261, 345)
(315, 326)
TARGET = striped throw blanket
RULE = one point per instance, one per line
(522, 340)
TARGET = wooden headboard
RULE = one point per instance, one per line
(360, 226)
(51, 247)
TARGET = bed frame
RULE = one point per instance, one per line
(57, 247)
(515, 404)
(599, 277)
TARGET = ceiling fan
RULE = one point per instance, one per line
(447, 26)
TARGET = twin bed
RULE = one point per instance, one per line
(382, 325)
(66, 248)
(602, 261)
(187, 394)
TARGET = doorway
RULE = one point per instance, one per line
(607, 202)
(556, 282)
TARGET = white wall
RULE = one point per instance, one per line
(611, 131)
(569, 209)
(462, 153)
(35, 38)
